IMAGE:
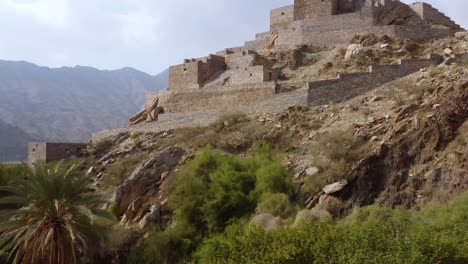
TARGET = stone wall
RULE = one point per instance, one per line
(350, 85)
(195, 73)
(281, 17)
(184, 76)
(211, 99)
(241, 59)
(307, 9)
(42, 151)
(36, 152)
(428, 13)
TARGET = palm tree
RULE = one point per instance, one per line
(54, 217)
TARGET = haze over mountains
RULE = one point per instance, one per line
(66, 104)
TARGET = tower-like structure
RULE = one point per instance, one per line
(308, 9)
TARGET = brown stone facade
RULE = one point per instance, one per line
(240, 75)
(47, 152)
(308, 9)
(194, 73)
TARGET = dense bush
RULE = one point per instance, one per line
(7, 174)
(216, 188)
(213, 191)
(276, 204)
(438, 234)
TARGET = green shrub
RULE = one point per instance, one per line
(134, 135)
(276, 204)
(215, 188)
(437, 234)
(213, 191)
(437, 71)
(229, 120)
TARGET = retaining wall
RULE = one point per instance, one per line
(350, 85)
(211, 98)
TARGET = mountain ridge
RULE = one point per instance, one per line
(70, 103)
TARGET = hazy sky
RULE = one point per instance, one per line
(148, 35)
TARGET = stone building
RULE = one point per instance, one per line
(335, 22)
(240, 77)
(47, 152)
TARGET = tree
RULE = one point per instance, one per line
(53, 217)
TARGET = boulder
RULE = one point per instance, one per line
(335, 187)
(353, 50)
(448, 51)
(268, 222)
(311, 171)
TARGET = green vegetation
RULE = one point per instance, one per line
(51, 216)
(212, 192)
(276, 204)
(437, 234)
(437, 71)
(134, 135)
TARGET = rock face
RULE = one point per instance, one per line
(149, 114)
(139, 196)
(335, 187)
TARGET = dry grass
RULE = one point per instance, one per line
(232, 133)
(121, 170)
(101, 146)
(335, 153)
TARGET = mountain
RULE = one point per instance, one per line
(13, 142)
(70, 103)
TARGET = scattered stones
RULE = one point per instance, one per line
(312, 171)
(377, 98)
(90, 171)
(353, 50)
(448, 51)
(461, 34)
(335, 187)
(145, 180)
(433, 175)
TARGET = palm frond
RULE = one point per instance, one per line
(52, 217)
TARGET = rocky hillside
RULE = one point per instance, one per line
(404, 143)
(68, 104)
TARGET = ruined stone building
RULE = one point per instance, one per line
(47, 152)
(241, 76)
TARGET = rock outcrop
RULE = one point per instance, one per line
(148, 114)
(139, 197)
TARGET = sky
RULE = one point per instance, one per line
(149, 35)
